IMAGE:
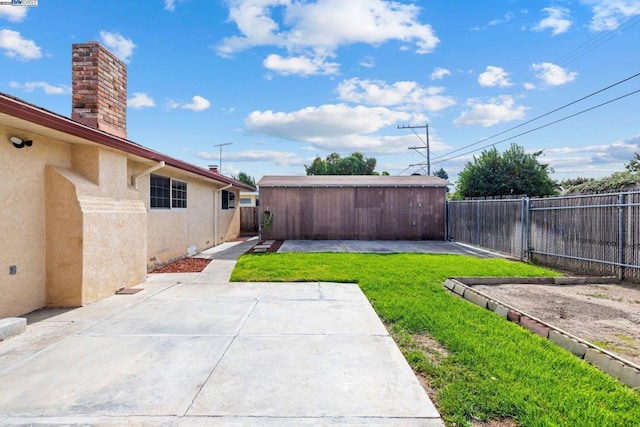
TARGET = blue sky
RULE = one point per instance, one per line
(286, 80)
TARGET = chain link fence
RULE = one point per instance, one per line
(592, 234)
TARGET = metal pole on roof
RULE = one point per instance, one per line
(221, 145)
(425, 142)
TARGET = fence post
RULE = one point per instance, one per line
(478, 223)
(621, 202)
(446, 218)
(528, 228)
(522, 225)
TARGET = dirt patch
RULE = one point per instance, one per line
(435, 353)
(186, 265)
(605, 315)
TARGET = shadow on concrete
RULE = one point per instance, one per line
(229, 251)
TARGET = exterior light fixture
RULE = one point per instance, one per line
(19, 142)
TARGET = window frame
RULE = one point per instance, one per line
(167, 193)
(179, 194)
(228, 198)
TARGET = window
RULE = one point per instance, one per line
(160, 192)
(228, 199)
(245, 201)
(166, 193)
(178, 194)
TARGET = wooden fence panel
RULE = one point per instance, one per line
(248, 219)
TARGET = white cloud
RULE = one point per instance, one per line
(326, 121)
(13, 13)
(506, 18)
(336, 127)
(300, 65)
(498, 110)
(494, 76)
(557, 20)
(497, 21)
(120, 46)
(440, 73)
(374, 144)
(280, 158)
(198, 104)
(608, 14)
(615, 153)
(140, 100)
(404, 95)
(529, 86)
(552, 74)
(170, 5)
(324, 25)
(46, 87)
(16, 47)
(368, 62)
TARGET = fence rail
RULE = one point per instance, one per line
(593, 234)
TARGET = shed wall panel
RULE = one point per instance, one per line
(355, 213)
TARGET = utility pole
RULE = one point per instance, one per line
(221, 145)
(426, 128)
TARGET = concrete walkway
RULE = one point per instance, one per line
(194, 349)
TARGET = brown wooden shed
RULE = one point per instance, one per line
(353, 207)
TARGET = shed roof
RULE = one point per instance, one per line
(352, 181)
(17, 113)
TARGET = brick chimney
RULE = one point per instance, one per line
(99, 82)
(213, 168)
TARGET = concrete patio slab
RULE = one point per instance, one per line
(334, 376)
(202, 291)
(383, 246)
(177, 317)
(194, 349)
(111, 375)
(314, 290)
(313, 317)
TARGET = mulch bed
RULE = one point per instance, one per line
(196, 265)
(186, 265)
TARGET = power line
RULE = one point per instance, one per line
(539, 117)
(611, 31)
(426, 145)
(543, 126)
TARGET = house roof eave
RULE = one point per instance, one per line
(22, 110)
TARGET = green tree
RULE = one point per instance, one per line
(512, 173)
(245, 179)
(441, 173)
(634, 164)
(333, 164)
(617, 181)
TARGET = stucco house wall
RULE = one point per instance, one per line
(172, 233)
(63, 231)
(75, 218)
(23, 221)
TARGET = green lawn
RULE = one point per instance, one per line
(492, 368)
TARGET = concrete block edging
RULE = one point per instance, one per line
(610, 363)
